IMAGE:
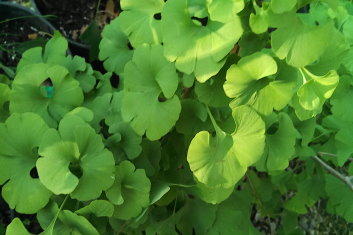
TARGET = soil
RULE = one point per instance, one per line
(73, 16)
(15, 37)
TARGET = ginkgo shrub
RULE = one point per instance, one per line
(228, 114)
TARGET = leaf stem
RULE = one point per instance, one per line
(331, 155)
(332, 171)
(302, 72)
(181, 185)
(52, 223)
(214, 123)
(97, 10)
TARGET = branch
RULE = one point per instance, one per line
(323, 154)
(343, 178)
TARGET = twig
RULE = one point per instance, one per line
(330, 155)
(343, 178)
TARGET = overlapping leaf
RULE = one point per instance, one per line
(30, 93)
(148, 78)
(130, 191)
(56, 53)
(74, 160)
(113, 48)
(251, 81)
(20, 137)
(203, 47)
(123, 140)
(222, 160)
(301, 44)
(280, 145)
(314, 92)
(140, 20)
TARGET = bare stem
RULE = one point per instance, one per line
(323, 154)
(343, 178)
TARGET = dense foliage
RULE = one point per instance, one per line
(229, 117)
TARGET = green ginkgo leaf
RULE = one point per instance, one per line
(259, 22)
(249, 136)
(75, 224)
(193, 117)
(56, 221)
(280, 145)
(301, 44)
(343, 143)
(74, 160)
(140, 20)
(280, 6)
(16, 227)
(128, 144)
(55, 53)
(99, 208)
(30, 94)
(213, 195)
(149, 102)
(113, 48)
(251, 81)
(130, 191)
(339, 198)
(211, 92)
(20, 137)
(209, 28)
(212, 160)
(222, 160)
(315, 91)
(124, 142)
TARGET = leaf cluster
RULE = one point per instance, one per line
(228, 113)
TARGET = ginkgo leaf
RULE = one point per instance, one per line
(210, 30)
(213, 195)
(29, 93)
(74, 223)
(301, 44)
(280, 146)
(20, 137)
(74, 160)
(249, 136)
(258, 22)
(55, 53)
(149, 157)
(343, 143)
(124, 142)
(251, 81)
(149, 103)
(197, 216)
(128, 145)
(140, 20)
(130, 191)
(16, 227)
(248, 70)
(339, 198)
(213, 161)
(316, 90)
(113, 48)
(279, 6)
(193, 117)
(222, 160)
(211, 92)
(100, 208)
